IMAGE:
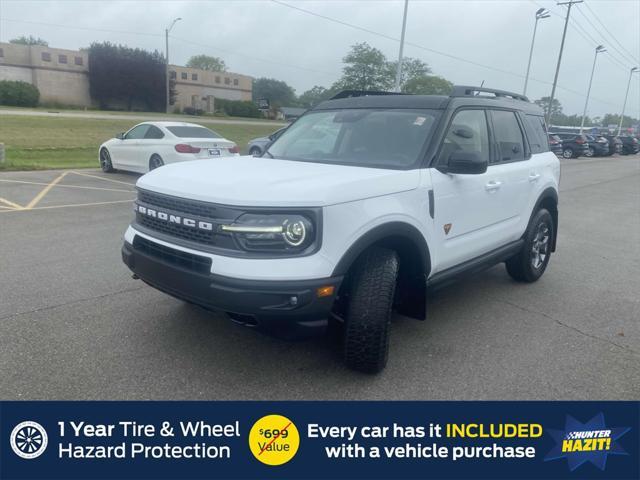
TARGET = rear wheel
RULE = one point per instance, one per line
(590, 152)
(105, 161)
(155, 162)
(531, 262)
(368, 318)
(567, 153)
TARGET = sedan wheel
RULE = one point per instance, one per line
(255, 151)
(567, 153)
(590, 152)
(155, 162)
(105, 161)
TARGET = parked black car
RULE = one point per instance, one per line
(555, 144)
(615, 144)
(598, 146)
(573, 146)
(629, 145)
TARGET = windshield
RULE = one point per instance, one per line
(193, 132)
(362, 137)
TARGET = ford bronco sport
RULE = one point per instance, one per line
(363, 204)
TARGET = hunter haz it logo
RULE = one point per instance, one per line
(28, 440)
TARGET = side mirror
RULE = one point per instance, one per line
(120, 136)
(466, 163)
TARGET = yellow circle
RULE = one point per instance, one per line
(274, 440)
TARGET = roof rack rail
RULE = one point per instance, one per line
(362, 93)
(467, 91)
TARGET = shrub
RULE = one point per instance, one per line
(192, 111)
(18, 94)
(237, 108)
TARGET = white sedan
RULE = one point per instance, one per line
(150, 145)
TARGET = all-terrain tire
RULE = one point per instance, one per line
(368, 319)
(529, 264)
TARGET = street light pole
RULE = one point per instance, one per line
(564, 35)
(599, 49)
(634, 69)
(541, 13)
(404, 27)
(166, 61)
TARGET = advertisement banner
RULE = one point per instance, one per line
(319, 440)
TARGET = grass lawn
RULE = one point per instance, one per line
(43, 142)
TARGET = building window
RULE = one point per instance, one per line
(79, 61)
(62, 59)
(183, 75)
(172, 75)
(227, 81)
(194, 77)
(46, 57)
(1, 52)
(217, 78)
(235, 82)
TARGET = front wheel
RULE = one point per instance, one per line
(255, 151)
(567, 153)
(368, 319)
(105, 161)
(532, 260)
(590, 152)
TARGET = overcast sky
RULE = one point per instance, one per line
(265, 38)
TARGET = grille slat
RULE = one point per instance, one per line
(185, 260)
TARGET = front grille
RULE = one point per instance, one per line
(193, 210)
(178, 258)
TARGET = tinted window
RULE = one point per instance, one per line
(508, 136)
(536, 133)
(137, 132)
(183, 75)
(468, 132)
(62, 59)
(78, 61)
(194, 76)
(46, 56)
(154, 133)
(364, 137)
(193, 132)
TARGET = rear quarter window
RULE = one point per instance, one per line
(536, 133)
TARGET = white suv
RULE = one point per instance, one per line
(363, 204)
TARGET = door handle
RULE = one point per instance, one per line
(492, 186)
(533, 177)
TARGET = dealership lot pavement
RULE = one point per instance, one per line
(74, 325)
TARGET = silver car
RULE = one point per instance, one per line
(257, 145)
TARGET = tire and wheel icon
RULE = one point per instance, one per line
(28, 440)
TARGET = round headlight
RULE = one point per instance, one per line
(294, 233)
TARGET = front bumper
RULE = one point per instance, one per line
(287, 309)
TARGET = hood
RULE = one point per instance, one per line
(258, 181)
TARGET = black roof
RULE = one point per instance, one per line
(460, 96)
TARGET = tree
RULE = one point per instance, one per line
(412, 68)
(118, 74)
(314, 96)
(276, 91)
(30, 40)
(544, 103)
(366, 68)
(614, 119)
(428, 85)
(205, 62)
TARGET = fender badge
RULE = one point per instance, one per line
(447, 228)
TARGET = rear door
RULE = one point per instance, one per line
(469, 210)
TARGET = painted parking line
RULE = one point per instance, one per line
(44, 191)
(102, 178)
(68, 186)
(10, 204)
(50, 207)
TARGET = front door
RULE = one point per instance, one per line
(469, 210)
(129, 148)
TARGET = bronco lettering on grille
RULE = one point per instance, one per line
(170, 218)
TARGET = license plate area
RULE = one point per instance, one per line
(215, 152)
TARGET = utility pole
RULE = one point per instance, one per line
(541, 13)
(626, 95)
(166, 59)
(564, 34)
(404, 27)
(599, 49)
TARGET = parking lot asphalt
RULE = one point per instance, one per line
(75, 325)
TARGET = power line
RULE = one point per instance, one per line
(421, 47)
(76, 27)
(631, 56)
